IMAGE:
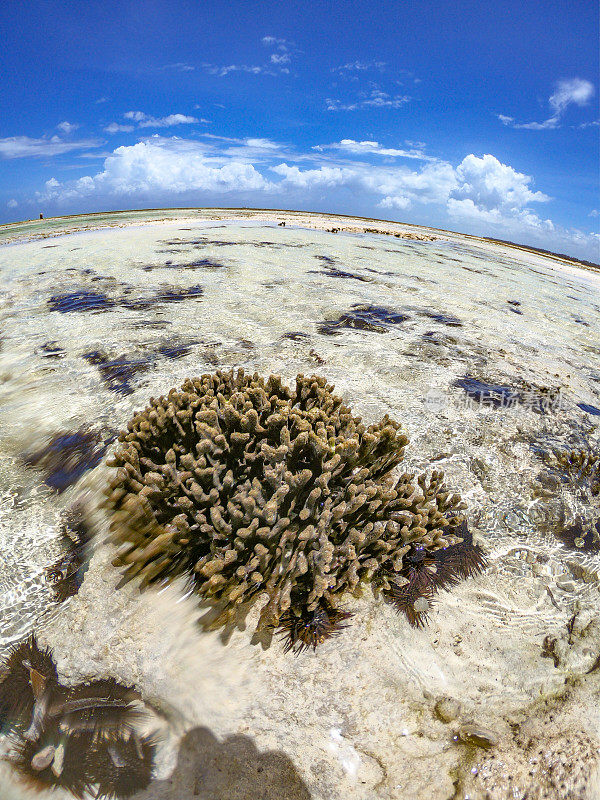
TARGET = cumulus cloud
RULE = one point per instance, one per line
(67, 127)
(25, 146)
(570, 91)
(12, 203)
(162, 167)
(493, 185)
(480, 195)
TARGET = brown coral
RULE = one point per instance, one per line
(254, 488)
(568, 497)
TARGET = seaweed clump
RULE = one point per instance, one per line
(255, 489)
(83, 738)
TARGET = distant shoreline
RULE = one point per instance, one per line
(589, 265)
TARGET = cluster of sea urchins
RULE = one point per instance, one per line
(83, 738)
(257, 489)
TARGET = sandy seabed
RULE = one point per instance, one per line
(498, 697)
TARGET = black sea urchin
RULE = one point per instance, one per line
(83, 738)
(255, 489)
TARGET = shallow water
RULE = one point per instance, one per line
(98, 321)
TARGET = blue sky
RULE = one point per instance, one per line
(474, 116)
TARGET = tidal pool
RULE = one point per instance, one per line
(487, 354)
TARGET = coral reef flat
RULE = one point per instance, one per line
(486, 353)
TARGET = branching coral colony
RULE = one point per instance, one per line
(252, 488)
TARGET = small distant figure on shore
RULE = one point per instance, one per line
(41, 216)
(281, 224)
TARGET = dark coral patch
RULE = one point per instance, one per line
(487, 394)
(445, 319)
(589, 409)
(116, 373)
(166, 295)
(80, 301)
(333, 272)
(203, 263)
(364, 318)
(51, 350)
(175, 351)
(67, 457)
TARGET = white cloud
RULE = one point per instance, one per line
(594, 213)
(180, 66)
(571, 91)
(480, 195)
(280, 58)
(374, 148)
(394, 186)
(360, 66)
(492, 185)
(221, 72)
(145, 121)
(115, 127)
(375, 98)
(24, 146)
(12, 203)
(160, 167)
(574, 90)
(67, 127)
(273, 40)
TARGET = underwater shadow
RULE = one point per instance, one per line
(233, 769)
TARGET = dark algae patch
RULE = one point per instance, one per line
(174, 351)
(203, 263)
(589, 409)
(51, 350)
(445, 319)
(80, 301)
(67, 457)
(333, 272)
(487, 394)
(166, 295)
(375, 319)
(116, 373)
